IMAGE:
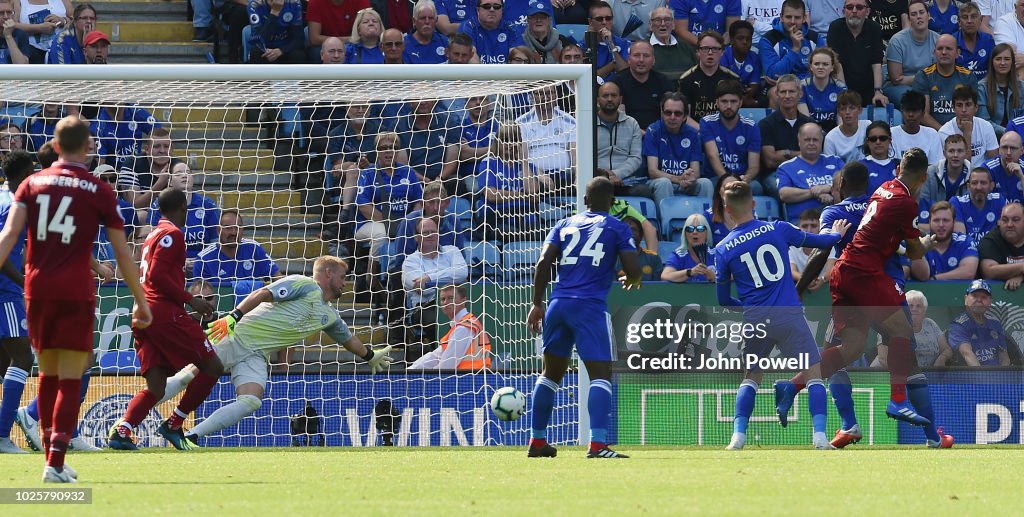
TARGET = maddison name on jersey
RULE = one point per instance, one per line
(746, 236)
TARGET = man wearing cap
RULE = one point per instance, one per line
(1001, 251)
(97, 45)
(978, 336)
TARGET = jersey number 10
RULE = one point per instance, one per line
(592, 248)
(61, 223)
(760, 272)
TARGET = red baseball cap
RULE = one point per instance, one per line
(95, 37)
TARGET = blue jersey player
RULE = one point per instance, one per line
(852, 184)
(15, 348)
(755, 255)
(585, 248)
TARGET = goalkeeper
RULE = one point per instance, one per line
(268, 320)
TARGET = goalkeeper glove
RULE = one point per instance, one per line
(224, 327)
(378, 360)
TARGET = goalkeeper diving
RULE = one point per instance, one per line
(270, 319)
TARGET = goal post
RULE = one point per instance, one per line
(244, 131)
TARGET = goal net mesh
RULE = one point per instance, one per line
(305, 164)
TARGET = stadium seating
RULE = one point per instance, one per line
(483, 259)
(675, 210)
(557, 208)
(463, 211)
(888, 114)
(119, 361)
(573, 31)
(755, 114)
(644, 205)
(518, 259)
(666, 249)
(767, 208)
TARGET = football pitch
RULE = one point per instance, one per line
(503, 481)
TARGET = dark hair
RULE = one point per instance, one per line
(717, 204)
(600, 191)
(711, 33)
(913, 100)
(810, 214)
(849, 98)
(878, 124)
(17, 165)
(981, 170)
(914, 164)
(231, 211)
(460, 38)
(855, 177)
(46, 155)
(737, 26)
(171, 200)
(962, 92)
(736, 192)
(729, 87)
(674, 96)
(912, 2)
(1011, 81)
(793, 4)
(83, 7)
(599, 4)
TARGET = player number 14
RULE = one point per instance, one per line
(761, 271)
(62, 223)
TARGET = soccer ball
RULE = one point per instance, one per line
(508, 403)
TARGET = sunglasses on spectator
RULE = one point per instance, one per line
(852, 7)
(207, 297)
(878, 138)
(492, 7)
(602, 18)
(392, 44)
(700, 228)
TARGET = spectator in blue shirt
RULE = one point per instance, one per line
(232, 257)
(976, 46)
(944, 16)
(787, 47)
(430, 138)
(103, 251)
(451, 14)
(672, 151)
(612, 51)
(120, 131)
(1008, 169)
(821, 90)
(435, 206)
(878, 157)
(744, 63)
(952, 256)
(732, 144)
(694, 259)
(978, 211)
(66, 47)
(386, 191)
(15, 48)
(977, 335)
(11, 138)
(478, 130)
(277, 32)
(425, 45)
(805, 181)
(202, 217)
(696, 16)
(492, 37)
(364, 48)
(40, 127)
(510, 188)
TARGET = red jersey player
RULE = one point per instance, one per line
(174, 340)
(62, 206)
(864, 296)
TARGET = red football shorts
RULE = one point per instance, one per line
(172, 343)
(61, 324)
(860, 300)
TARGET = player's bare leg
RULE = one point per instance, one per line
(248, 399)
(900, 335)
(599, 406)
(210, 369)
(60, 379)
(122, 434)
(17, 352)
(542, 402)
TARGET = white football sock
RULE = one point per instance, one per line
(227, 416)
(176, 384)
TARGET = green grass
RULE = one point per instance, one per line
(436, 481)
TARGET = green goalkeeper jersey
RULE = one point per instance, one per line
(298, 310)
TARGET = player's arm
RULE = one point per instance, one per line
(13, 273)
(225, 326)
(12, 230)
(968, 353)
(141, 317)
(920, 270)
(723, 282)
(378, 360)
(917, 247)
(541, 279)
(815, 265)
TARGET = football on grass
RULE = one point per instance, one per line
(508, 403)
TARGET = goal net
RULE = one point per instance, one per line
(299, 162)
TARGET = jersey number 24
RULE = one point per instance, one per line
(592, 248)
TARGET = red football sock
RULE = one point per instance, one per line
(800, 381)
(48, 386)
(194, 395)
(537, 442)
(65, 417)
(900, 359)
(596, 446)
(139, 407)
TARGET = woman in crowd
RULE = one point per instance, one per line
(693, 259)
(364, 46)
(932, 348)
(999, 93)
(878, 156)
(822, 87)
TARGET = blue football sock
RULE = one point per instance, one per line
(599, 406)
(921, 399)
(540, 406)
(817, 402)
(745, 396)
(81, 394)
(33, 408)
(14, 386)
(842, 395)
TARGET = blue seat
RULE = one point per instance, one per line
(483, 259)
(463, 211)
(19, 114)
(755, 114)
(674, 211)
(119, 361)
(666, 249)
(557, 208)
(573, 31)
(387, 254)
(518, 259)
(644, 205)
(767, 208)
